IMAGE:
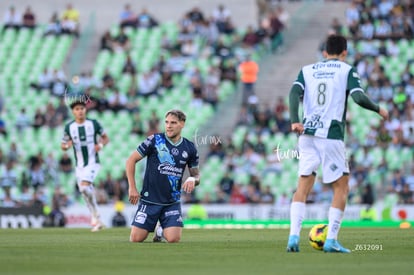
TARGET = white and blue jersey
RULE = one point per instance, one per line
(166, 162)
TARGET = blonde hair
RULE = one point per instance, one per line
(178, 113)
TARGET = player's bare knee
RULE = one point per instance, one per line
(174, 239)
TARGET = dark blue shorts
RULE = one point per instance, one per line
(148, 214)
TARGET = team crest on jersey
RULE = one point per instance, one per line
(175, 151)
(184, 154)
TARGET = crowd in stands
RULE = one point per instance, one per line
(390, 22)
(66, 23)
(224, 42)
(221, 41)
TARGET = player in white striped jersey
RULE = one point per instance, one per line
(325, 87)
(87, 138)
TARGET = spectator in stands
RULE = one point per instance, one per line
(107, 42)
(176, 63)
(221, 16)
(71, 17)
(166, 82)
(59, 83)
(50, 115)
(237, 196)
(36, 172)
(223, 51)
(69, 26)
(267, 196)
(367, 196)
(8, 177)
(148, 83)
(129, 66)
(250, 38)
(3, 130)
(12, 19)
(62, 109)
(276, 28)
(252, 194)
(121, 42)
(197, 93)
(29, 19)
(196, 15)
(44, 81)
(53, 27)
(189, 49)
(127, 17)
(39, 119)
(13, 154)
(397, 181)
(145, 20)
(65, 164)
(22, 120)
(405, 196)
(108, 80)
(117, 101)
(227, 182)
(228, 71)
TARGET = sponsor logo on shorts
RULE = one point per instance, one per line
(333, 167)
(140, 217)
(172, 213)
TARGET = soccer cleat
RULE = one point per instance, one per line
(158, 237)
(98, 226)
(293, 244)
(332, 245)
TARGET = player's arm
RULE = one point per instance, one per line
(192, 181)
(294, 100)
(104, 140)
(66, 142)
(133, 194)
(364, 101)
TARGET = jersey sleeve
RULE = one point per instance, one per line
(146, 147)
(294, 98)
(66, 134)
(354, 82)
(193, 160)
(98, 128)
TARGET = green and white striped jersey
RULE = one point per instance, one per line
(326, 86)
(84, 137)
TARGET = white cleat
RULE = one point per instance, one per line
(98, 226)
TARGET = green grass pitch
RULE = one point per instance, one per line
(201, 251)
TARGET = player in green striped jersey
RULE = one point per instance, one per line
(87, 138)
(325, 87)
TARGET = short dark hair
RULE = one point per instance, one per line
(77, 102)
(336, 44)
(178, 113)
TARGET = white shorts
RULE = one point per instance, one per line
(316, 151)
(87, 173)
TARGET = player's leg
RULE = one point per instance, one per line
(86, 176)
(308, 163)
(138, 234)
(172, 223)
(144, 221)
(335, 169)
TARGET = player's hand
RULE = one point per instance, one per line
(98, 147)
(133, 196)
(383, 113)
(189, 185)
(298, 128)
(68, 144)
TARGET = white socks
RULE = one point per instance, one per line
(335, 217)
(297, 214)
(88, 194)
